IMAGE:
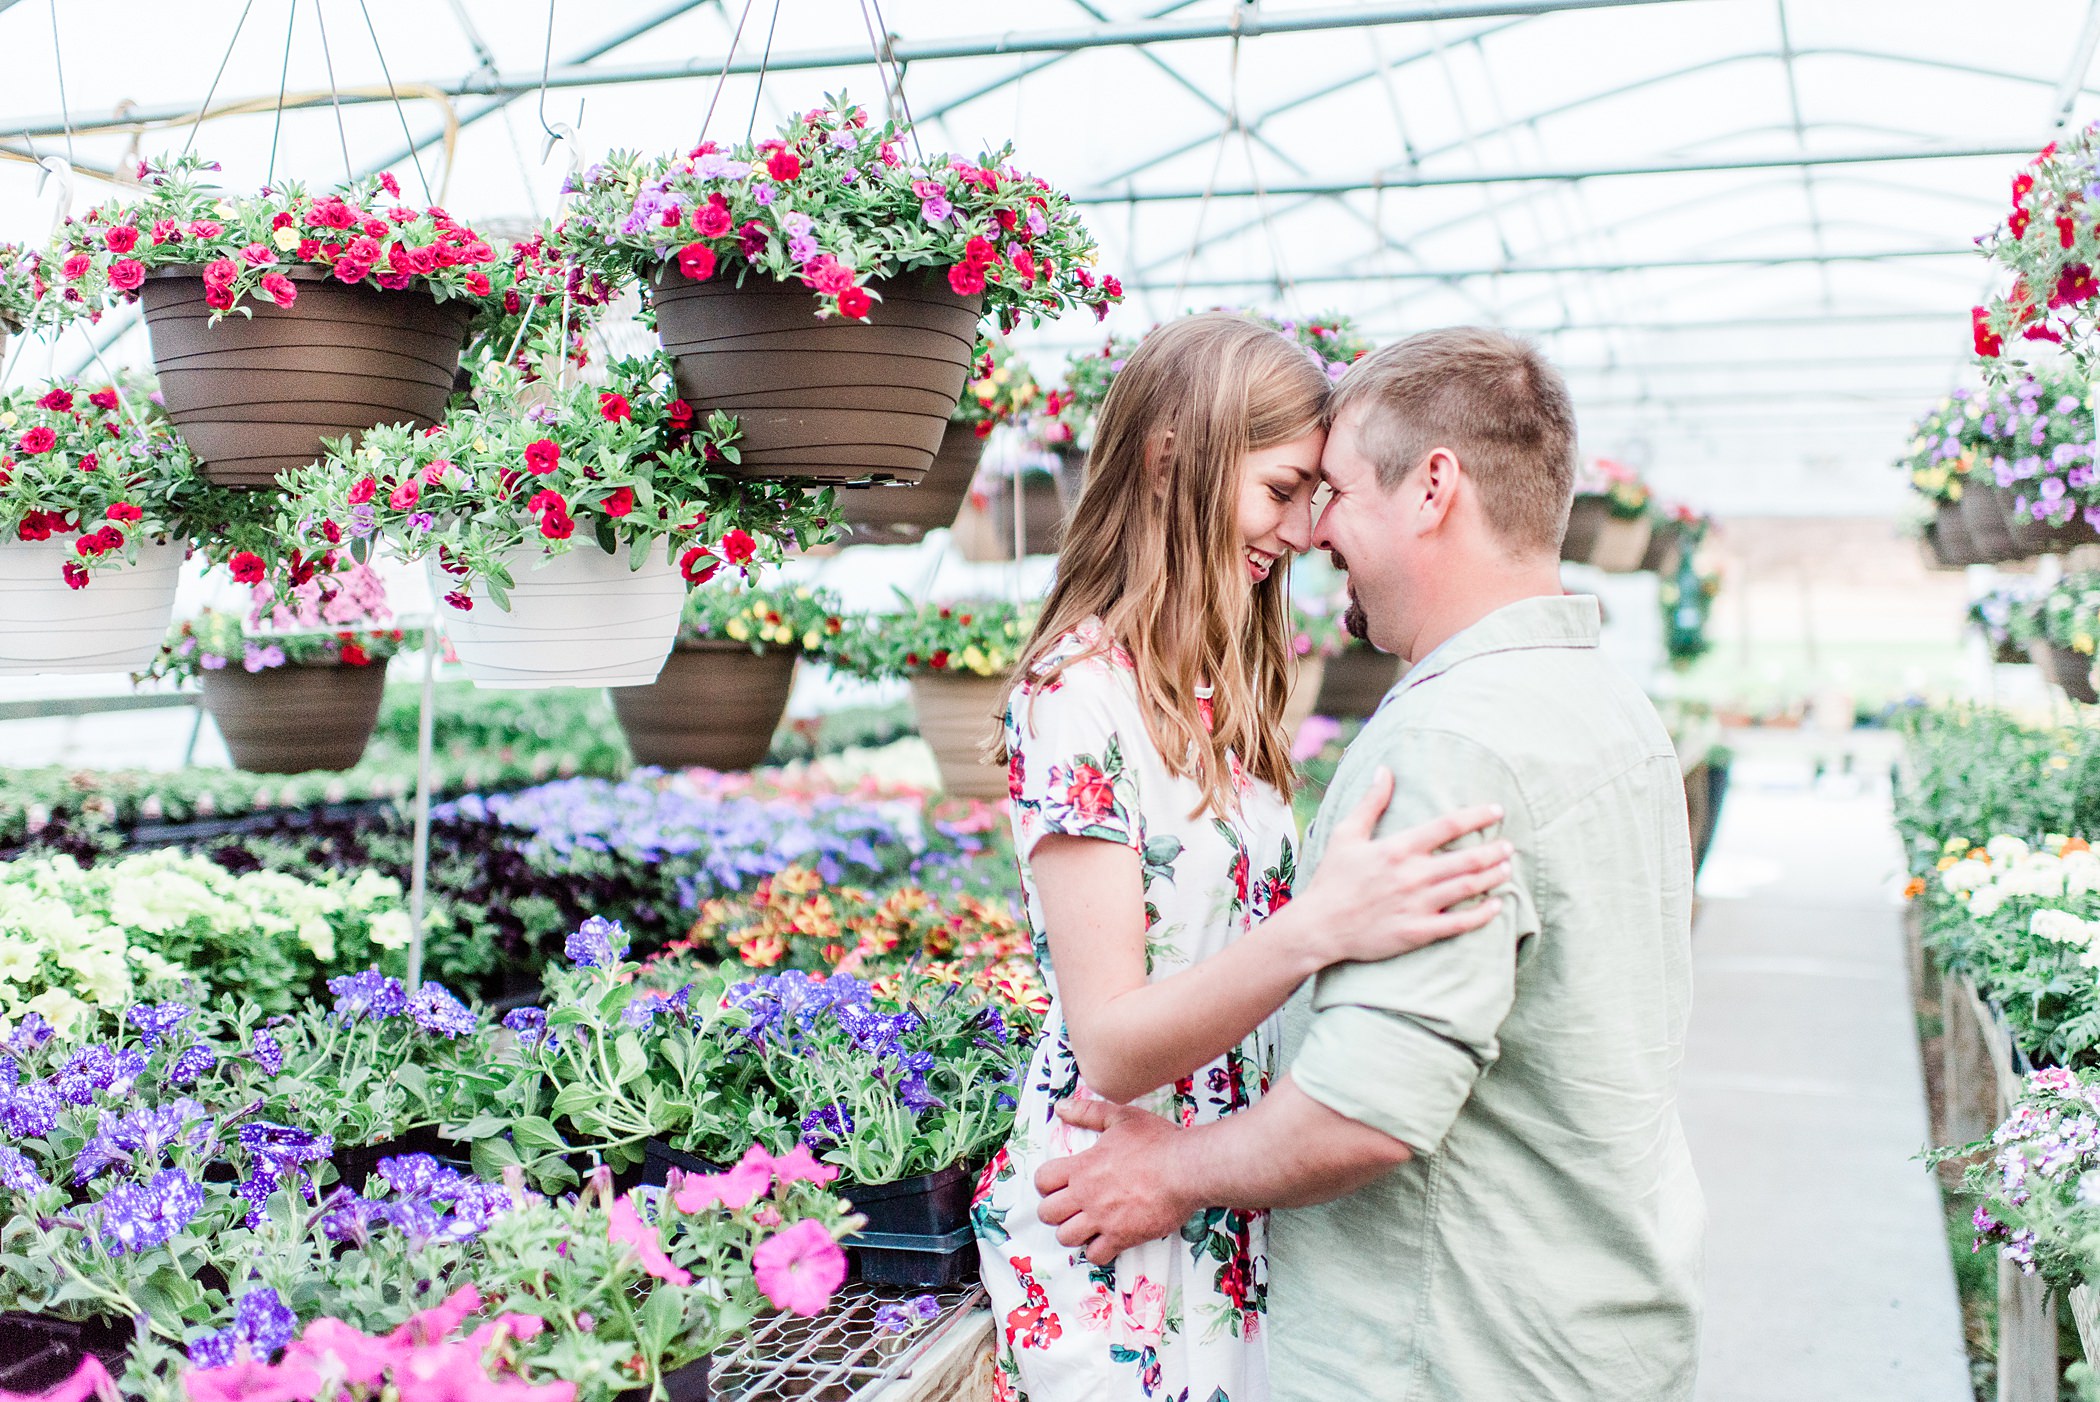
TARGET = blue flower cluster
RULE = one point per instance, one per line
(435, 1009)
(141, 1138)
(531, 1026)
(372, 996)
(277, 1153)
(597, 944)
(791, 1011)
(263, 1325)
(140, 1216)
(430, 1202)
(155, 1020)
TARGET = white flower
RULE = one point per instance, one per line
(390, 929)
(1965, 876)
(2003, 848)
(1985, 902)
(2060, 926)
(59, 1008)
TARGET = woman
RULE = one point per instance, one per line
(1150, 778)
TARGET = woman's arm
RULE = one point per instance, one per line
(1371, 899)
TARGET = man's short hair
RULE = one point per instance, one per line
(1491, 398)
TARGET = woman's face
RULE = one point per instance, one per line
(1275, 508)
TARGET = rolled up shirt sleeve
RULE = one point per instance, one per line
(1397, 1045)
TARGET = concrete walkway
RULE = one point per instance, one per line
(1827, 1271)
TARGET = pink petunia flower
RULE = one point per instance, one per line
(798, 1165)
(246, 1380)
(90, 1379)
(738, 1188)
(626, 1226)
(800, 1269)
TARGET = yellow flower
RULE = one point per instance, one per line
(390, 929)
(812, 640)
(737, 628)
(223, 209)
(973, 658)
(286, 238)
(2059, 762)
(10, 418)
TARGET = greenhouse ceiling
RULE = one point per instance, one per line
(1743, 227)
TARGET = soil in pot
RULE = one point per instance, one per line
(38, 1352)
(288, 720)
(1355, 681)
(254, 395)
(893, 514)
(715, 704)
(1586, 519)
(959, 717)
(115, 624)
(579, 619)
(692, 1383)
(834, 400)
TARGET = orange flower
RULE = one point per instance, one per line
(1914, 888)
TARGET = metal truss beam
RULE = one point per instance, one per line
(1433, 274)
(1245, 22)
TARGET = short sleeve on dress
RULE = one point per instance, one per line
(1075, 743)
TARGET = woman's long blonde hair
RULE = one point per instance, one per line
(1153, 548)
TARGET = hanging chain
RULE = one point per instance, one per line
(334, 97)
(722, 79)
(284, 73)
(212, 91)
(58, 62)
(400, 111)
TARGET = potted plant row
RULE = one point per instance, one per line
(562, 524)
(956, 657)
(283, 319)
(825, 284)
(722, 693)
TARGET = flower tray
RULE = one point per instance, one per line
(932, 1204)
(921, 1261)
(254, 395)
(658, 1158)
(293, 719)
(38, 1352)
(354, 1165)
(688, 1384)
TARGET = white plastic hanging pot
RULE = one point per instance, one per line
(115, 624)
(580, 619)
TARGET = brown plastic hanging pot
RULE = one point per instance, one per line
(254, 395)
(291, 719)
(831, 400)
(958, 715)
(1662, 547)
(1985, 520)
(2034, 537)
(890, 514)
(1586, 518)
(2068, 668)
(716, 704)
(1356, 680)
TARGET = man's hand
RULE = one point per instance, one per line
(1123, 1191)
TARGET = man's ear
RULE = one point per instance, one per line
(1440, 481)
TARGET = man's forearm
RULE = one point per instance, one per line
(1287, 1151)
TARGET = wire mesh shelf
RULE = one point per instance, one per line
(841, 1355)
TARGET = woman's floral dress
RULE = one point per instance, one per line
(1179, 1320)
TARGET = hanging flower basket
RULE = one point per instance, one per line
(583, 618)
(825, 286)
(894, 515)
(1947, 539)
(1622, 543)
(984, 527)
(958, 716)
(715, 704)
(823, 401)
(2068, 668)
(1356, 680)
(292, 719)
(1983, 515)
(1661, 555)
(113, 624)
(255, 396)
(1586, 518)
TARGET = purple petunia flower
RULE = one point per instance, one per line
(263, 1325)
(435, 1010)
(29, 1034)
(266, 1052)
(156, 1020)
(140, 1216)
(531, 1026)
(18, 1173)
(821, 1129)
(141, 1137)
(30, 1111)
(368, 995)
(597, 944)
(195, 1060)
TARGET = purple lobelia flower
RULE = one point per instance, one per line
(368, 995)
(140, 1216)
(262, 1326)
(193, 1062)
(435, 1010)
(597, 944)
(266, 1052)
(155, 1020)
(18, 1173)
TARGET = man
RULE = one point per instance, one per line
(1490, 1197)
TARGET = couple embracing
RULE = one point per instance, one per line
(1393, 1117)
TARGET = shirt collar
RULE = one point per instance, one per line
(1572, 620)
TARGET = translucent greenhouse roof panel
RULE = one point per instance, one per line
(1743, 226)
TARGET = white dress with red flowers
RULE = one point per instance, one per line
(1179, 1320)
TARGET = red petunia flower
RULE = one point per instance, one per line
(966, 279)
(459, 600)
(738, 547)
(712, 220)
(37, 440)
(752, 238)
(784, 165)
(120, 238)
(247, 567)
(614, 406)
(479, 285)
(620, 502)
(280, 289)
(355, 656)
(59, 399)
(542, 456)
(546, 499)
(855, 302)
(163, 230)
(681, 414)
(698, 566)
(362, 491)
(403, 497)
(76, 574)
(219, 299)
(75, 267)
(557, 525)
(104, 399)
(697, 261)
(220, 272)
(126, 274)
(124, 511)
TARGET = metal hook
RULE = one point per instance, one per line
(546, 61)
(63, 169)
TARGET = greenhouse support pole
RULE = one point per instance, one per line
(419, 860)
